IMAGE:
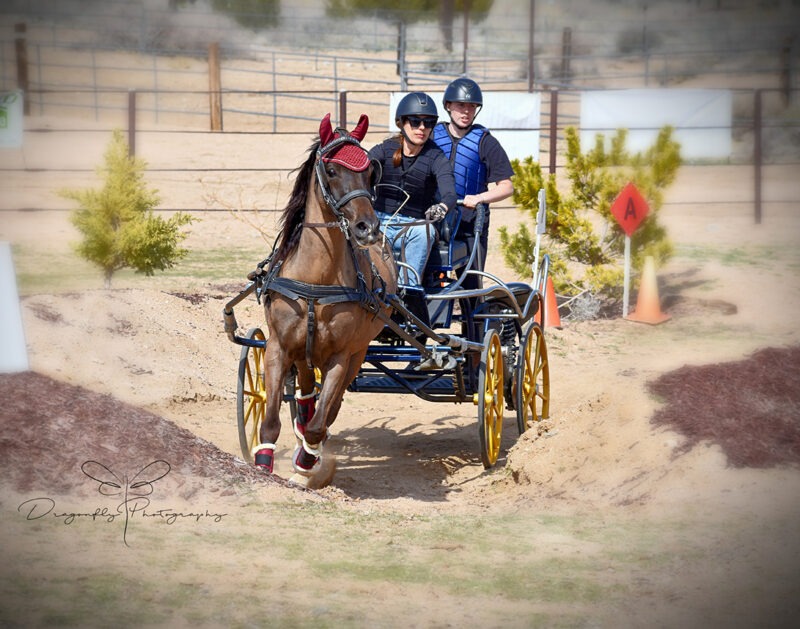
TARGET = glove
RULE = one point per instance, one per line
(436, 212)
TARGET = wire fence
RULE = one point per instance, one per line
(247, 167)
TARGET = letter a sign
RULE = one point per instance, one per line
(630, 209)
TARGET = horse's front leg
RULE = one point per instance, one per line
(354, 365)
(275, 369)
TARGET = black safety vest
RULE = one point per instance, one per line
(414, 176)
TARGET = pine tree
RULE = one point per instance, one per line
(584, 240)
(117, 222)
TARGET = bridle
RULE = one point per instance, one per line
(334, 204)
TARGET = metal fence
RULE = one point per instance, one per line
(90, 67)
(520, 44)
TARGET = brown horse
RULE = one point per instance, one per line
(323, 291)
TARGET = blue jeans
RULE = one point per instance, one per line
(411, 245)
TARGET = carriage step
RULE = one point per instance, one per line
(384, 384)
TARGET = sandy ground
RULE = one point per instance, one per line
(595, 522)
(159, 345)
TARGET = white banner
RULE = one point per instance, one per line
(11, 119)
(512, 117)
(702, 119)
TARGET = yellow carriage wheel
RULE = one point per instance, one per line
(251, 394)
(490, 399)
(532, 379)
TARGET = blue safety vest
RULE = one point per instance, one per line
(469, 170)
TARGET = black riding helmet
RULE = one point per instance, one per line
(463, 90)
(415, 104)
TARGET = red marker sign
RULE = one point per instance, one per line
(630, 209)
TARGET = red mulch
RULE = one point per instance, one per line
(750, 408)
(48, 429)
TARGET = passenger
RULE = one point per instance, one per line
(478, 160)
(425, 187)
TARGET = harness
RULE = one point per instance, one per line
(269, 282)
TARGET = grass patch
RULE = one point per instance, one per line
(64, 271)
(758, 256)
(348, 556)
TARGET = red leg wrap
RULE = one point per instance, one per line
(303, 461)
(265, 459)
(305, 411)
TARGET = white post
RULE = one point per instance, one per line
(13, 350)
(541, 220)
(626, 287)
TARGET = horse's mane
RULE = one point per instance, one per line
(295, 211)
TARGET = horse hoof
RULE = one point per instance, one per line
(299, 479)
(322, 476)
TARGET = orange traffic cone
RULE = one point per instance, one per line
(648, 304)
(553, 320)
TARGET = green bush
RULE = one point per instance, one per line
(117, 222)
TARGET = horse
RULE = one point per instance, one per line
(324, 291)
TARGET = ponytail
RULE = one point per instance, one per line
(397, 156)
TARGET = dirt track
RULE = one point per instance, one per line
(683, 532)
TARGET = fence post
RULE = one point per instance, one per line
(214, 87)
(786, 69)
(343, 109)
(401, 55)
(466, 36)
(566, 54)
(131, 123)
(757, 155)
(553, 129)
(21, 49)
(531, 65)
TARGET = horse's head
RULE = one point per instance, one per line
(345, 177)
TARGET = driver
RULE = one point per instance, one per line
(417, 185)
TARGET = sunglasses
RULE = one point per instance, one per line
(416, 121)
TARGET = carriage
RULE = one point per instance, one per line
(435, 339)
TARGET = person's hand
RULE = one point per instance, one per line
(436, 212)
(472, 200)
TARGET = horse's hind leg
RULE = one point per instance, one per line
(306, 400)
(275, 368)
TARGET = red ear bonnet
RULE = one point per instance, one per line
(361, 128)
(325, 130)
(352, 156)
